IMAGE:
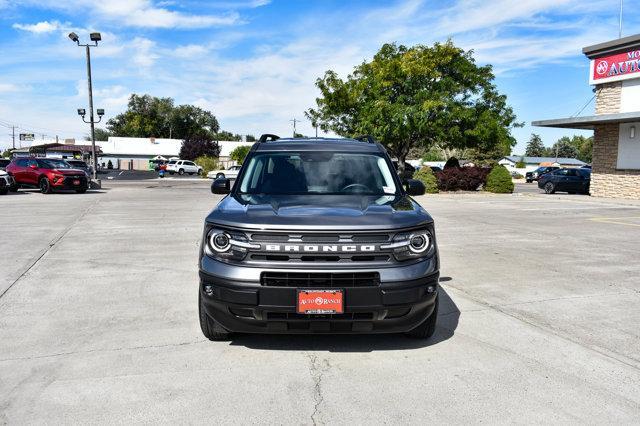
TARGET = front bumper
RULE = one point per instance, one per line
(70, 183)
(244, 305)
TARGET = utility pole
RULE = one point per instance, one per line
(13, 136)
(294, 121)
(620, 30)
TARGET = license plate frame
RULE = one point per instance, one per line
(320, 301)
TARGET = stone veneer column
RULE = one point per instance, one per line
(608, 98)
(606, 179)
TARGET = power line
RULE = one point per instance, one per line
(583, 107)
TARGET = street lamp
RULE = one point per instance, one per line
(95, 38)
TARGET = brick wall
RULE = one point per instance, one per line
(608, 97)
(606, 179)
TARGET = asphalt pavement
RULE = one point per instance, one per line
(539, 321)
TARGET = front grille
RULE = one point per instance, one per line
(320, 280)
(318, 256)
(68, 180)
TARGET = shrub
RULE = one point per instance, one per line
(207, 163)
(110, 165)
(462, 178)
(499, 181)
(517, 175)
(521, 164)
(426, 176)
(198, 147)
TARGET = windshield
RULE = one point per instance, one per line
(53, 164)
(328, 173)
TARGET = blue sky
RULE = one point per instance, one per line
(253, 63)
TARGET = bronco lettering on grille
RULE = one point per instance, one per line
(315, 248)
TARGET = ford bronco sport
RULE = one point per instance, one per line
(318, 236)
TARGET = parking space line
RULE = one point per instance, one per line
(616, 220)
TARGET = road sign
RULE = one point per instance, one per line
(27, 136)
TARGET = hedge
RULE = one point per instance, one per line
(499, 181)
(462, 178)
(426, 176)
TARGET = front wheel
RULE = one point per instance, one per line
(428, 327)
(549, 188)
(44, 185)
(13, 188)
(220, 176)
(199, 172)
(210, 328)
(180, 172)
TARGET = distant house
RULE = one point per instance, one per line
(532, 163)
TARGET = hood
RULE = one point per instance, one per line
(319, 212)
(70, 171)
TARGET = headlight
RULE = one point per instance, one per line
(227, 245)
(411, 245)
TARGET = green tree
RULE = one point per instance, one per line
(239, 153)
(565, 147)
(418, 96)
(585, 152)
(223, 135)
(251, 138)
(101, 135)
(535, 147)
(147, 116)
(521, 164)
(199, 145)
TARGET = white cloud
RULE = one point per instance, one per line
(8, 87)
(191, 51)
(40, 27)
(144, 52)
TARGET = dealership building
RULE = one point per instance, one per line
(615, 73)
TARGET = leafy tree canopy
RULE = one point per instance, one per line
(579, 147)
(147, 116)
(101, 135)
(418, 96)
(239, 153)
(535, 147)
(199, 146)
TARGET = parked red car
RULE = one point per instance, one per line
(47, 174)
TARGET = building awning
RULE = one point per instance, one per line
(589, 122)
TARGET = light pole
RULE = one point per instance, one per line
(95, 38)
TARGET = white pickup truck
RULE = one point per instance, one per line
(183, 166)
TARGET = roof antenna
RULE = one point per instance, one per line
(620, 30)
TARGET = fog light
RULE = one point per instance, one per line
(431, 289)
(208, 289)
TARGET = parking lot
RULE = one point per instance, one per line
(539, 320)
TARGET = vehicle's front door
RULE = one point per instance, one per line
(560, 179)
(31, 172)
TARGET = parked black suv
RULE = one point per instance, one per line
(318, 236)
(535, 175)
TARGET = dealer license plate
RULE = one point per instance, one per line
(76, 182)
(320, 302)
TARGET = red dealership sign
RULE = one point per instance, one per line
(621, 66)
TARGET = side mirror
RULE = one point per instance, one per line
(221, 186)
(415, 187)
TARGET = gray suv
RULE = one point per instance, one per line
(318, 236)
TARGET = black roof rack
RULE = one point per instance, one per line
(365, 138)
(268, 137)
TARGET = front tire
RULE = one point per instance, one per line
(180, 172)
(44, 185)
(14, 188)
(428, 327)
(210, 328)
(199, 172)
(549, 188)
(220, 176)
